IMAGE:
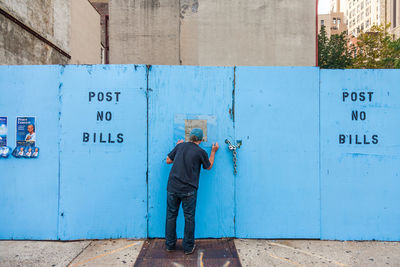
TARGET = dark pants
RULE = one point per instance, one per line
(189, 208)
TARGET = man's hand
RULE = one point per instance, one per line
(212, 155)
(215, 147)
(169, 161)
(180, 141)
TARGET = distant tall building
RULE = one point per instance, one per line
(335, 21)
(363, 14)
(392, 16)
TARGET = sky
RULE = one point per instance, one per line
(323, 6)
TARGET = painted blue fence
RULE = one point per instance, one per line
(319, 157)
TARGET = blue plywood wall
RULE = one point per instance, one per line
(298, 175)
(360, 185)
(277, 186)
(103, 152)
(29, 187)
(195, 91)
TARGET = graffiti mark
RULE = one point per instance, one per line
(200, 259)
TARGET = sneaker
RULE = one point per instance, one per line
(191, 251)
(169, 249)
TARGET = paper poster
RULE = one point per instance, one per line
(26, 131)
(3, 131)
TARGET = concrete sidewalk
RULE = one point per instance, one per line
(252, 252)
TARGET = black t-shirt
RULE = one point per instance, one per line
(184, 176)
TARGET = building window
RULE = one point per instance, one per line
(338, 21)
(322, 22)
(334, 20)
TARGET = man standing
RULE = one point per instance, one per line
(187, 158)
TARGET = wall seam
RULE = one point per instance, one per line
(148, 67)
(319, 153)
(234, 141)
(59, 150)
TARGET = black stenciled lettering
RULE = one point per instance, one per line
(85, 137)
(91, 95)
(110, 140)
(101, 138)
(375, 139)
(109, 96)
(100, 115)
(365, 140)
(370, 96)
(120, 138)
(100, 96)
(94, 137)
(362, 96)
(357, 142)
(355, 115)
(345, 95)
(342, 138)
(108, 116)
(117, 95)
(353, 96)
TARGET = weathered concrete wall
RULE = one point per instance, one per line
(144, 32)
(85, 33)
(19, 47)
(102, 7)
(208, 32)
(49, 18)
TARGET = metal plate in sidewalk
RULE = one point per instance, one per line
(209, 252)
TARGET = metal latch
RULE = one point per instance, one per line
(233, 148)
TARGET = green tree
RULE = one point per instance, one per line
(333, 52)
(376, 49)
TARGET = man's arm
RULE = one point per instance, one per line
(168, 160)
(212, 155)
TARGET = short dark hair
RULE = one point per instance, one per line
(194, 138)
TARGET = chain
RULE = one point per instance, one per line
(234, 153)
(234, 160)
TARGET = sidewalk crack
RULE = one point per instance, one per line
(79, 253)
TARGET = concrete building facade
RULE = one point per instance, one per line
(208, 32)
(85, 33)
(363, 14)
(335, 21)
(392, 16)
(102, 7)
(34, 33)
(49, 32)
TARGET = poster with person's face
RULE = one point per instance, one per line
(26, 131)
(3, 131)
